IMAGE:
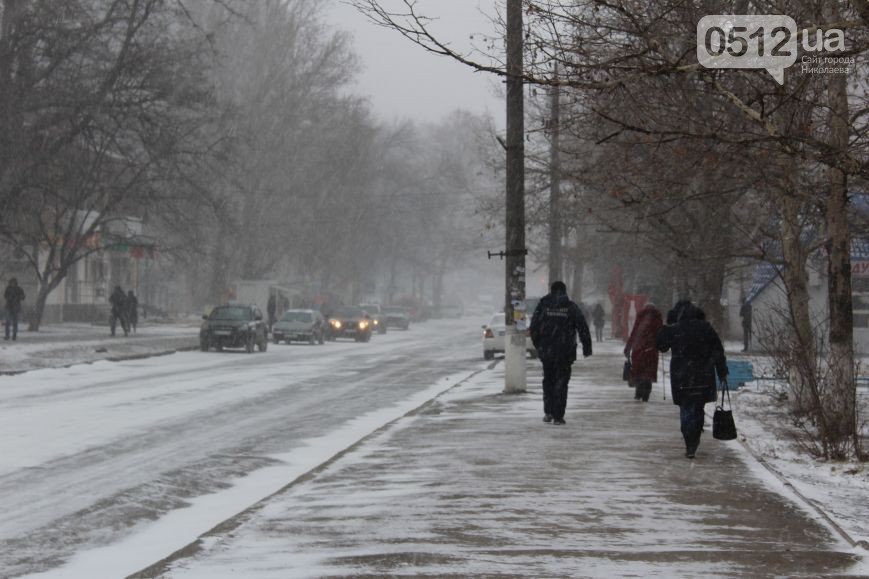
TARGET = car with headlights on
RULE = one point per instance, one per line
(300, 326)
(495, 338)
(234, 326)
(349, 322)
(397, 317)
(378, 318)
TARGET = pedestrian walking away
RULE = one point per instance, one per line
(554, 327)
(745, 314)
(132, 311)
(599, 319)
(642, 352)
(697, 355)
(14, 296)
(271, 308)
(118, 300)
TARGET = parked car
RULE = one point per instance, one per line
(234, 326)
(494, 338)
(397, 317)
(300, 326)
(348, 322)
(375, 312)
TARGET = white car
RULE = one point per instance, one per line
(494, 337)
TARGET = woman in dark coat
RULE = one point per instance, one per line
(697, 356)
(641, 351)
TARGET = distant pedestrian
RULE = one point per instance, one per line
(14, 296)
(118, 300)
(599, 318)
(745, 314)
(271, 308)
(554, 327)
(697, 356)
(132, 304)
(642, 353)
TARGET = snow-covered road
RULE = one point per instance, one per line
(91, 455)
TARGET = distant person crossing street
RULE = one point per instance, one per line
(554, 327)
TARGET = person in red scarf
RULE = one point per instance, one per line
(642, 353)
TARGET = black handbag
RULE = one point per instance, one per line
(626, 371)
(723, 425)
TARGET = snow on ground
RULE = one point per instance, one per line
(839, 489)
(91, 456)
(476, 485)
(66, 344)
(107, 468)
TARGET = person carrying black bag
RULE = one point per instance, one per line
(697, 356)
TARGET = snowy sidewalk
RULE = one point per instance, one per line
(67, 344)
(475, 484)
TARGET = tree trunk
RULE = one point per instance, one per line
(711, 284)
(803, 356)
(38, 309)
(576, 283)
(842, 399)
(219, 265)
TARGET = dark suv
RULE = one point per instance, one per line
(350, 323)
(234, 326)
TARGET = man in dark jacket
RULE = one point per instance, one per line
(554, 327)
(132, 305)
(118, 300)
(271, 308)
(697, 356)
(14, 296)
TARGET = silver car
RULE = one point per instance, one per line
(494, 338)
(300, 326)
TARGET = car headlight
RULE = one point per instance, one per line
(363, 325)
(335, 324)
(376, 322)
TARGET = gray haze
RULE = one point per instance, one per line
(403, 80)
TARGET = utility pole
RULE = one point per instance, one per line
(515, 377)
(555, 230)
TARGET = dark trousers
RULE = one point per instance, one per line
(746, 338)
(556, 376)
(11, 323)
(643, 389)
(113, 322)
(692, 415)
(598, 333)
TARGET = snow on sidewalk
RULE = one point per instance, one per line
(476, 484)
(68, 344)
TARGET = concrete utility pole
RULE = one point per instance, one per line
(515, 377)
(555, 230)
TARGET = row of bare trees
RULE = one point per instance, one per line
(701, 171)
(230, 129)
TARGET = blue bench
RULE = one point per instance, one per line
(739, 373)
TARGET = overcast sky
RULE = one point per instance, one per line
(404, 81)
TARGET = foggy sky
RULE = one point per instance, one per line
(402, 80)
